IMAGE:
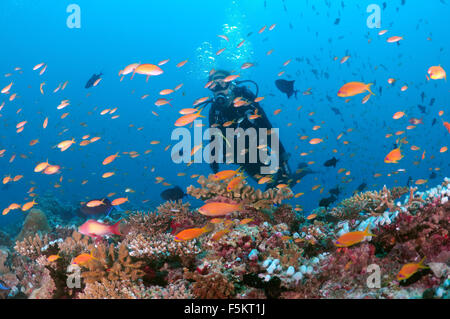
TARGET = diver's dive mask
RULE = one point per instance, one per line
(221, 91)
(221, 99)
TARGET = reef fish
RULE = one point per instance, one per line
(331, 162)
(325, 202)
(192, 233)
(286, 87)
(352, 238)
(94, 78)
(97, 210)
(437, 73)
(394, 156)
(174, 193)
(94, 228)
(410, 269)
(83, 259)
(354, 88)
(218, 209)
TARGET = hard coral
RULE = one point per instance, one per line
(112, 264)
(162, 247)
(374, 202)
(210, 286)
(211, 188)
(35, 222)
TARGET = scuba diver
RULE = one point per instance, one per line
(248, 115)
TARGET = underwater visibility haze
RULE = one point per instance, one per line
(112, 187)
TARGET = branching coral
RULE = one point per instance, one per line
(162, 247)
(108, 289)
(111, 264)
(210, 286)
(211, 188)
(32, 246)
(171, 215)
(374, 202)
(74, 245)
(126, 289)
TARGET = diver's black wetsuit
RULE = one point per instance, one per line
(222, 113)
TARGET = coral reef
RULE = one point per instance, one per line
(264, 250)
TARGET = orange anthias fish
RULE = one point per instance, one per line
(52, 258)
(234, 183)
(83, 259)
(189, 118)
(410, 269)
(447, 126)
(119, 201)
(28, 205)
(220, 234)
(94, 228)
(110, 158)
(226, 174)
(147, 69)
(394, 156)
(354, 88)
(437, 73)
(352, 238)
(192, 233)
(219, 209)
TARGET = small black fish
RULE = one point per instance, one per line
(337, 21)
(286, 87)
(174, 193)
(335, 191)
(422, 108)
(92, 80)
(432, 101)
(325, 202)
(434, 122)
(433, 175)
(361, 187)
(331, 162)
(336, 111)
